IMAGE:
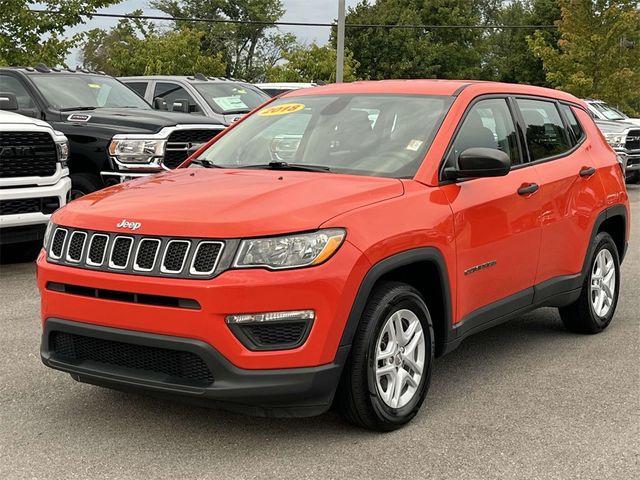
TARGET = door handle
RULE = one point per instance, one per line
(587, 171)
(528, 189)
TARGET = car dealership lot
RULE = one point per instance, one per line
(523, 400)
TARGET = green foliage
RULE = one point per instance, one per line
(135, 47)
(240, 45)
(598, 53)
(310, 64)
(27, 38)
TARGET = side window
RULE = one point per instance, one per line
(10, 84)
(139, 87)
(173, 94)
(574, 125)
(546, 135)
(488, 124)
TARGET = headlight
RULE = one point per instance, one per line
(63, 152)
(47, 235)
(136, 151)
(616, 140)
(289, 251)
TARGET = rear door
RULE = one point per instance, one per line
(497, 220)
(570, 189)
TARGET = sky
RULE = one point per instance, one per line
(324, 11)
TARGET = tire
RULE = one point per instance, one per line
(20, 252)
(633, 178)
(364, 397)
(584, 315)
(83, 184)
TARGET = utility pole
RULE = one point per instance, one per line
(340, 46)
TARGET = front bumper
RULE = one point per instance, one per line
(275, 392)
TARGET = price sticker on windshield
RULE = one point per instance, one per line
(282, 109)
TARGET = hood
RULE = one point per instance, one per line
(226, 203)
(613, 126)
(17, 119)
(135, 120)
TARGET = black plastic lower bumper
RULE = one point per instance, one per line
(294, 392)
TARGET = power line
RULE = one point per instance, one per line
(295, 24)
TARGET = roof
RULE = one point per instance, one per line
(198, 78)
(435, 87)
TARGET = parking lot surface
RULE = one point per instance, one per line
(524, 400)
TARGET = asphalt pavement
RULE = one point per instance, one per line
(524, 400)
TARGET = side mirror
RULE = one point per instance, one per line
(8, 101)
(160, 104)
(480, 162)
(180, 106)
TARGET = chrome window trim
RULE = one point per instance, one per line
(115, 267)
(104, 252)
(84, 244)
(192, 271)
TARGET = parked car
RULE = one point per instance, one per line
(275, 89)
(279, 288)
(220, 98)
(34, 179)
(624, 138)
(113, 134)
(600, 110)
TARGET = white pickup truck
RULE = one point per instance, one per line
(34, 181)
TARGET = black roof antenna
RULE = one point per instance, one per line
(42, 68)
(200, 76)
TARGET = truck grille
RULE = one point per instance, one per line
(177, 365)
(633, 142)
(135, 254)
(182, 143)
(46, 205)
(27, 154)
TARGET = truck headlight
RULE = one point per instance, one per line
(616, 140)
(289, 251)
(128, 150)
(63, 152)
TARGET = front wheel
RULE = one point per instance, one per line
(594, 309)
(389, 371)
(83, 184)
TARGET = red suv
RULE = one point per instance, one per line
(327, 247)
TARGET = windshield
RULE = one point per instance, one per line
(72, 91)
(607, 112)
(378, 135)
(228, 98)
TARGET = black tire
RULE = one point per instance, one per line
(84, 184)
(633, 178)
(20, 252)
(358, 398)
(581, 316)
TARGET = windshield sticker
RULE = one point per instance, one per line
(94, 85)
(78, 117)
(230, 103)
(414, 145)
(283, 109)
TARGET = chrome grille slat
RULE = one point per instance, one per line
(138, 254)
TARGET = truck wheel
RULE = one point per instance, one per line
(595, 307)
(83, 184)
(389, 370)
(633, 178)
(20, 252)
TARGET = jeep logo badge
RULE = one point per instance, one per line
(124, 223)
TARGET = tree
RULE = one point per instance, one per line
(508, 56)
(135, 47)
(311, 64)
(239, 44)
(418, 53)
(598, 53)
(27, 38)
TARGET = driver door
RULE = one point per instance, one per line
(497, 225)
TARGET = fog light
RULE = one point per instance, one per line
(271, 316)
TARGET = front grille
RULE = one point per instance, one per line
(633, 141)
(46, 205)
(135, 254)
(27, 154)
(177, 365)
(182, 143)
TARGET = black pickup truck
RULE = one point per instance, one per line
(114, 135)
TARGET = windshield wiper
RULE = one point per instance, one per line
(77, 108)
(289, 166)
(237, 111)
(203, 162)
